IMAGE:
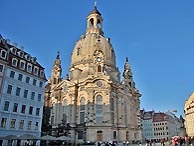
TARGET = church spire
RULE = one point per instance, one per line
(127, 74)
(56, 70)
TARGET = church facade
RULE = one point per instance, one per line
(93, 103)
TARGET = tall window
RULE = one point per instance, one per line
(35, 70)
(3, 122)
(99, 109)
(82, 110)
(9, 89)
(14, 62)
(3, 54)
(15, 107)
(37, 111)
(40, 84)
(29, 68)
(18, 91)
(32, 95)
(22, 64)
(39, 97)
(99, 68)
(12, 74)
(36, 126)
(6, 106)
(34, 82)
(20, 77)
(27, 79)
(29, 125)
(25, 93)
(23, 109)
(30, 110)
(21, 126)
(78, 51)
(12, 124)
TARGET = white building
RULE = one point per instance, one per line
(22, 92)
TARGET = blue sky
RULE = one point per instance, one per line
(156, 35)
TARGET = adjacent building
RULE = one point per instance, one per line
(159, 125)
(92, 103)
(22, 81)
(189, 115)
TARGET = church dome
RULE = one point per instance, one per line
(93, 41)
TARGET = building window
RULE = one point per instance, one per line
(30, 110)
(114, 134)
(32, 95)
(99, 109)
(29, 68)
(20, 77)
(1, 68)
(78, 51)
(29, 125)
(36, 126)
(15, 107)
(23, 109)
(37, 111)
(42, 73)
(39, 97)
(6, 106)
(9, 89)
(82, 110)
(36, 70)
(40, 84)
(99, 68)
(22, 64)
(12, 74)
(14, 62)
(25, 93)
(21, 126)
(3, 54)
(27, 79)
(3, 122)
(12, 124)
(34, 82)
(18, 91)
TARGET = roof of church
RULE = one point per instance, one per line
(95, 11)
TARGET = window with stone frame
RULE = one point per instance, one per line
(99, 109)
(30, 110)
(25, 93)
(29, 125)
(6, 106)
(27, 79)
(1, 68)
(23, 110)
(13, 122)
(18, 91)
(15, 107)
(37, 111)
(9, 89)
(20, 76)
(39, 97)
(3, 122)
(82, 110)
(36, 126)
(12, 74)
(14, 62)
(21, 124)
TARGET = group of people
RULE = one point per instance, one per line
(180, 141)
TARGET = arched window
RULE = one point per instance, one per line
(82, 110)
(65, 106)
(99, 68)
(99, 24)
(99, 109)
(91, 22)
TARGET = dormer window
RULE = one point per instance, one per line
(3, 54)
(33, 59)
(21, 54)
(29, 67)
(27, 57)
(22, 64)
(13, 50)
(36, 70)
(14, 62)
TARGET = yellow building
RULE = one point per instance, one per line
(189, 115)
(92, 104)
